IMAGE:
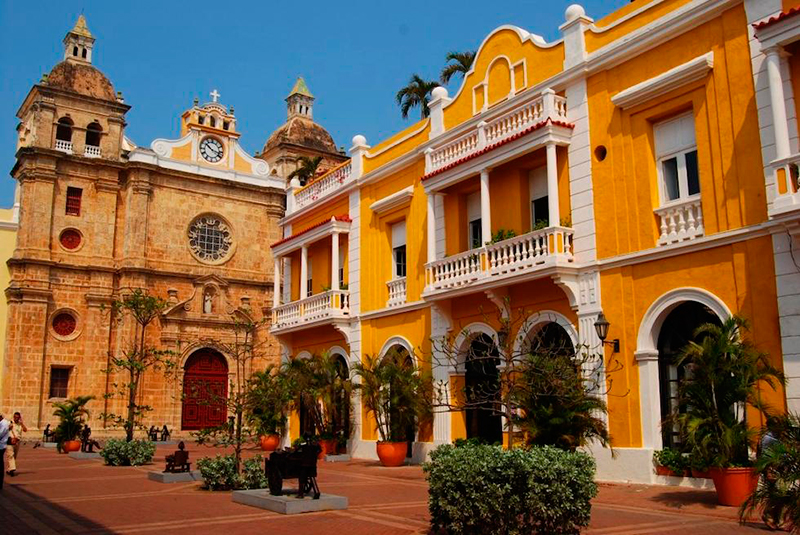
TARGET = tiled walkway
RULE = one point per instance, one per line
(55, 494)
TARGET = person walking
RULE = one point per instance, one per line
(4, 427)
(14, 442)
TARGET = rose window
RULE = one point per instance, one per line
(210, 238)
(70, 239)
(64, 324)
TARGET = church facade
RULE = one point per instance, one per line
(99, 216)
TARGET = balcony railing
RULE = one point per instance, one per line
(64, 146)
(547, 106)
(397, 292)
(333, 304)
(680, 220)
(322, 186)
(518, 255)
(787, 185)
(91, 152)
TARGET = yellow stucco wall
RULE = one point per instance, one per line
(8, 241)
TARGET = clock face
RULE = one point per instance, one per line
(211, 149)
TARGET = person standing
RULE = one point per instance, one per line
(4, 427)
(14, 442)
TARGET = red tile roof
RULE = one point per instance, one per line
(498, 144)
(344, 218)
(776, 18)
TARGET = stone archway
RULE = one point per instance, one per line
(205, 388)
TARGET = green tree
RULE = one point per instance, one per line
(416, 94)
(71, 413)
(139, 357)
(268, 402)
(461, 63)
(306, 170)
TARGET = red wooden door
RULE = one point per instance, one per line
(205, 389)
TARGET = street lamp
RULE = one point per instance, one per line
(601, 325)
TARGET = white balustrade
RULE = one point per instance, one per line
(397, 292)
(457, 270)
(323, 186)
(332, 304)
(787, 185)
(91, 152)
(497, 130)
(680, 220)
(64, 146)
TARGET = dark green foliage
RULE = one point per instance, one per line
(219, 473)
(461, 63)
(306, 170)
(416, 94)
(267, 402)
(118, 452)
(674, 460)
(71, 414)
(485, 489)
(502, 234)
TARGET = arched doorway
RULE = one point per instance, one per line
(341, 425)
(205, 389)
(552, 338)
(677, 330)
(482, 390)
(401, 426)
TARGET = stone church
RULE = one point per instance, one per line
(188, 219)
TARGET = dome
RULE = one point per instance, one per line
(304, 132)
(81, 78)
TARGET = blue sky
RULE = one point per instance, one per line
(354, 55)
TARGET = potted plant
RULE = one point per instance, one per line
(71, 414)
(398, 395)
(670, 462)
(267, 403)
(724, 372)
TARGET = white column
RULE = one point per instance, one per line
(304, 273)
(431, 226)
(552, 185)
(335, 261)
(486, 209)
(778, 104)
(276, 289)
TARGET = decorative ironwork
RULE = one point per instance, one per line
(210, 238)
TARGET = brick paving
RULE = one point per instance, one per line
(55, 494)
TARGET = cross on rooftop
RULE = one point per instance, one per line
(214, 95)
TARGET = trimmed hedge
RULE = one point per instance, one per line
(485, 489)
(119, 452)
(219, 473)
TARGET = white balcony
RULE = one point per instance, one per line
(397, 292)
(498, 130)
(323, 186)
(64, 146)
(91, 152)
(680, 220)
(519, 256)
(317, 309)
(787, 186)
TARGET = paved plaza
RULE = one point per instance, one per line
(55, 494)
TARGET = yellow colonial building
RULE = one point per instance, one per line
(646, 163)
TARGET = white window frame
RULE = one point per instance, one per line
(399, 239)
(537, 189)
(473, 214)
(309, 279)
(678, 152)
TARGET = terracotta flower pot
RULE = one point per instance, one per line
(328, 448)
(71, 445)
(269, 442)
(701, 474)
(664, 471)
(392, 453)
(734, 485)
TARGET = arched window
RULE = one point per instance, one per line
(212, 121)
(401, 426)
(75, 51)
(93, 134)
(550, 338)
(482, 390)
(64, 129)
(83, 53)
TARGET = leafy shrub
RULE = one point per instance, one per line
(119, 452)
(674, 460)
(540, 490)
(219, 473)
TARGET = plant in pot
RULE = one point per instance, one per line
(398, 395)
(725, 373)
(671, 462)
(71, 414)
(267, 401)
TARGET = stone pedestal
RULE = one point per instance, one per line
(84, 455)
(288, 504)
(337, 458)
(181, 477)
(49, 445)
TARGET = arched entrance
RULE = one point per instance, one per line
(552, 338)
(677, 330)
(341, 426)
(482, 390)
(205, 389)
(400, 426)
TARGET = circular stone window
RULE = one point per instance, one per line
(64, 325)
(210, 239)
(70, 239)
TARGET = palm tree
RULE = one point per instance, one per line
(463, 61)
(307, 169)
(71, 414)
(416, 93)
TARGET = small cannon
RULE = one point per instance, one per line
(294, 463)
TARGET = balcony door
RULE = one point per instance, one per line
(474, 224)
(537, 191)
(482, 391)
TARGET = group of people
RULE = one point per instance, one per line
(10, 440)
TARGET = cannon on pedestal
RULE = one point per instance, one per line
(294, 463)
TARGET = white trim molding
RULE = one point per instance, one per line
(395, 200)
(686, 73)
(542, 318)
